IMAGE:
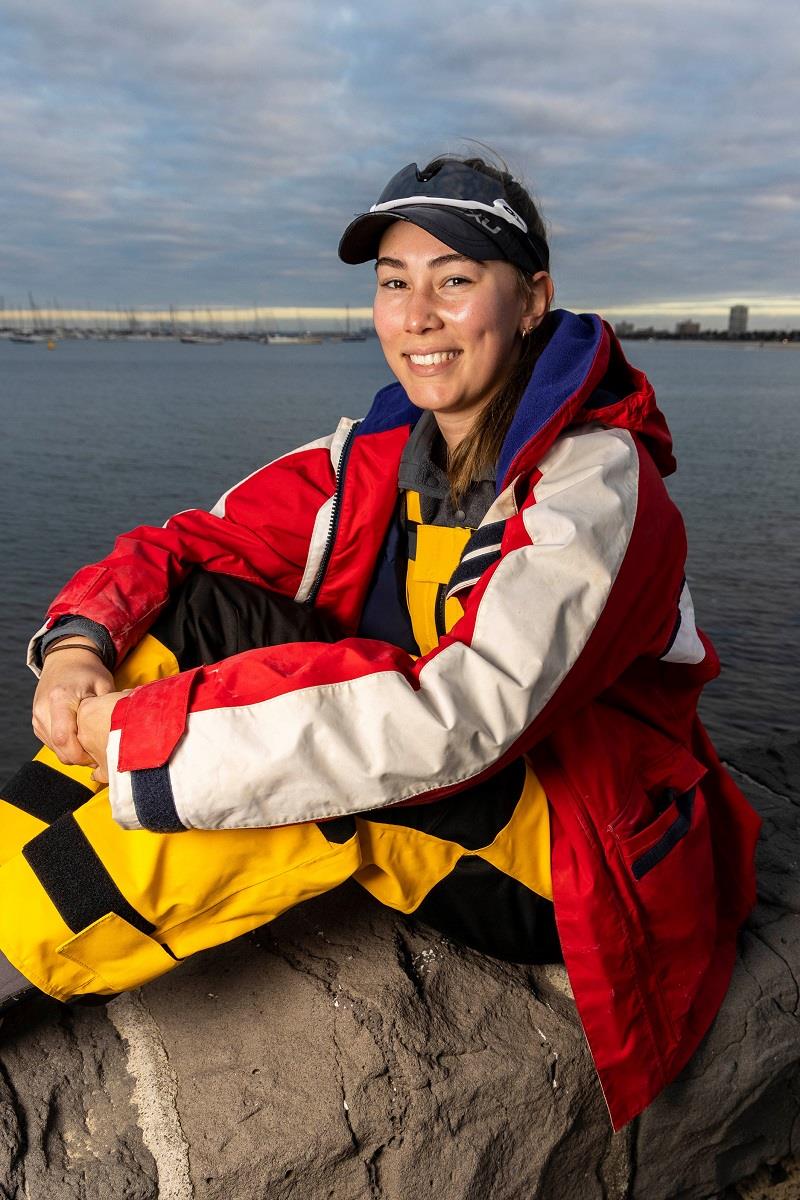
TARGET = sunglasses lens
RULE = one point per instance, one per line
(453, 181)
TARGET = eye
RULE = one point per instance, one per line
(391, 284)
(456, 280)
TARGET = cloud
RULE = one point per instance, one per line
(218, 147)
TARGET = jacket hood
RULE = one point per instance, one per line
(580, 376)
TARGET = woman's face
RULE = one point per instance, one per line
(449, 326)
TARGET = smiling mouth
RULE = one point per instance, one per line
(433, 360)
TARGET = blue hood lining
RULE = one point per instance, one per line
(560, 372)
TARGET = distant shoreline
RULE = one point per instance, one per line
(60, 336)
(738, 343)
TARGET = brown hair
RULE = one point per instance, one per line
(481, 446)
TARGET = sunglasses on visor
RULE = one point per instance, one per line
(457, 186)
(452, 185)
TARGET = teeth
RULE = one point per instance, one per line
(432, 360)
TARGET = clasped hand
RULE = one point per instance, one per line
(72, 708)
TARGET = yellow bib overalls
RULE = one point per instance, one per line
(87, 907)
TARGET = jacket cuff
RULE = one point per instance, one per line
(34, 657)
(146, 726)
(152, 720)
(120, 790)
(72, 626)
(141, 799)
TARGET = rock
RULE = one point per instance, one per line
(70, 1130)
(346, 1053)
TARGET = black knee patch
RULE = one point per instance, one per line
(75, 879)
(479, 906)
(44, 792)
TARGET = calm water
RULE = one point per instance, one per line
(103, 436)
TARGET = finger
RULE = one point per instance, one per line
(40, 719)
(64, 736)
(100, 774)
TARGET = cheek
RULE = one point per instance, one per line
(491, 339)
(384, 318)
(487, 327)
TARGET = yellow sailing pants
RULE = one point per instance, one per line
(87, 907)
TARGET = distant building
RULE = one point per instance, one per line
(737, 320)
(687, 328)
(624, 328)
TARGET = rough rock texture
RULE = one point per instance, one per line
(345, 1053)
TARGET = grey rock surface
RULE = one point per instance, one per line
(347, 1054)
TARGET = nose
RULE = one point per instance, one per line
(421, 314)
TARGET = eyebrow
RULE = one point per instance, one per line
(441, 261)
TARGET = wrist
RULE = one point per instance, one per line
(72, 644)
(81, 631)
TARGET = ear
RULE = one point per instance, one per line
(538, 303)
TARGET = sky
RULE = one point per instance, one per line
(210, 152)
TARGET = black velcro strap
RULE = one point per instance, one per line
(71, 873)
(44, 792)
(154, 800)
(338, 829)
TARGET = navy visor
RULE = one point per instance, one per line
(462, 207)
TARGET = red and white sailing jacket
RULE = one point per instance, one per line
(577, 644)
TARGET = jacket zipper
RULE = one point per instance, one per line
(439, 618)
(334, 521)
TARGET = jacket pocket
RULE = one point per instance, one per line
(116, 955)
(665, 833)
(664, 841)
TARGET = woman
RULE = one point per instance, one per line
(448, 651)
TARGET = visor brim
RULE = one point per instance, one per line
(362, 237)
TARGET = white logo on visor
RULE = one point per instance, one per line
(485, 222)
(498, 209)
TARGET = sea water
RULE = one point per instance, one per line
(101, 436)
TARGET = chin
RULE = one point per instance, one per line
(427, 397)
(428, 402)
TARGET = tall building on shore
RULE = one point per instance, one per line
(737, 320)
(687, 329)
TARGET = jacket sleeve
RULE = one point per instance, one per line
(264, 530)
(587, 578)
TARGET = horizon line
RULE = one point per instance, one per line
(187, 312)
(776, 307)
